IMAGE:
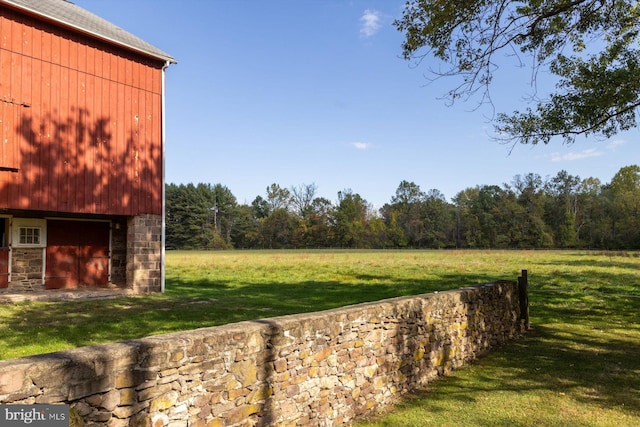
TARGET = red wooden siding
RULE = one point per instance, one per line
(81, 123)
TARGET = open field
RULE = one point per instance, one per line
(579, 365)
(213, 288)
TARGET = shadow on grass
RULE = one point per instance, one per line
(600, 365)
(591, 369)
(581, 354)
(28, 328)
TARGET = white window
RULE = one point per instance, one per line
(28, 232)
(29, 235)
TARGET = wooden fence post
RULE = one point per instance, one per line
(523, 290)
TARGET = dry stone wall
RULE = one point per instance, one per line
(320, 369)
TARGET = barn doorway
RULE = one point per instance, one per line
(77, 254)
(4, 253)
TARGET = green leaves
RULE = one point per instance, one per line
(590, 45)
(199, 216)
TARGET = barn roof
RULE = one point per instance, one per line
(65, 13)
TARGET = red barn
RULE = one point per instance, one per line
(81, 151)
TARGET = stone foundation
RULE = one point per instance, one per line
(144, 253)
(27, 266)
(319, 369)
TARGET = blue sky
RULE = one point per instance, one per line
(300, 92)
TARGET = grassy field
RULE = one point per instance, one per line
(578, 366)
(213, 288)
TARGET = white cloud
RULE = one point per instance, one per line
(371, 23)
(361, 145)
(615, 143)
(591, 152)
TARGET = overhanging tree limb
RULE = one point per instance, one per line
(589, 44)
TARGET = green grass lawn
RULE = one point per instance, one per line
(578, 366)
(214, 288)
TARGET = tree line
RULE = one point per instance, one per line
(563, 211)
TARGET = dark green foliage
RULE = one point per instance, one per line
(350, 220)
(563, 211)
(199, 216)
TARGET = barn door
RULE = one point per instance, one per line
(77, 254)
(4, 255)
(4, 267)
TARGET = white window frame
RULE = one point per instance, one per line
(19, 224)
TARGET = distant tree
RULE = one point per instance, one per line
(277, 224)
(407, 193)
(625, 203)
(278, 198)
(224, 211)
(467, 222)
(246, 232)
(562, 212)
(394, 233)
(351, 220)
(591, 46)
(277, 231)
(376, 233)
(530, 195)
(417, 219)
(175, 208)
(199, 216)
(260, 207)
(439, 218)
(592, 225)
(406, 209)
(479, 215)
(316, 229)
(302, 199)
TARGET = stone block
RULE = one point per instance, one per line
(216, 422)
(153, 392)
(92, 386)
(110, 400)
(164, 401)
(280, 365)
(239, 414)
(133, 378)
(244, 372)
(236, 393)
(128, 397)
(11, 381)
(260, 394)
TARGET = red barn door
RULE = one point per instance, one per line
(4, 254)
(4, 267)
(77, 254)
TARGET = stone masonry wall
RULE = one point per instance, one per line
(26, 269)
(144, 253)
(319, 369)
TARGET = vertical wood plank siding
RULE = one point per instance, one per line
(81, 123)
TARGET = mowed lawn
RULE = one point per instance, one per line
(578, 366)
